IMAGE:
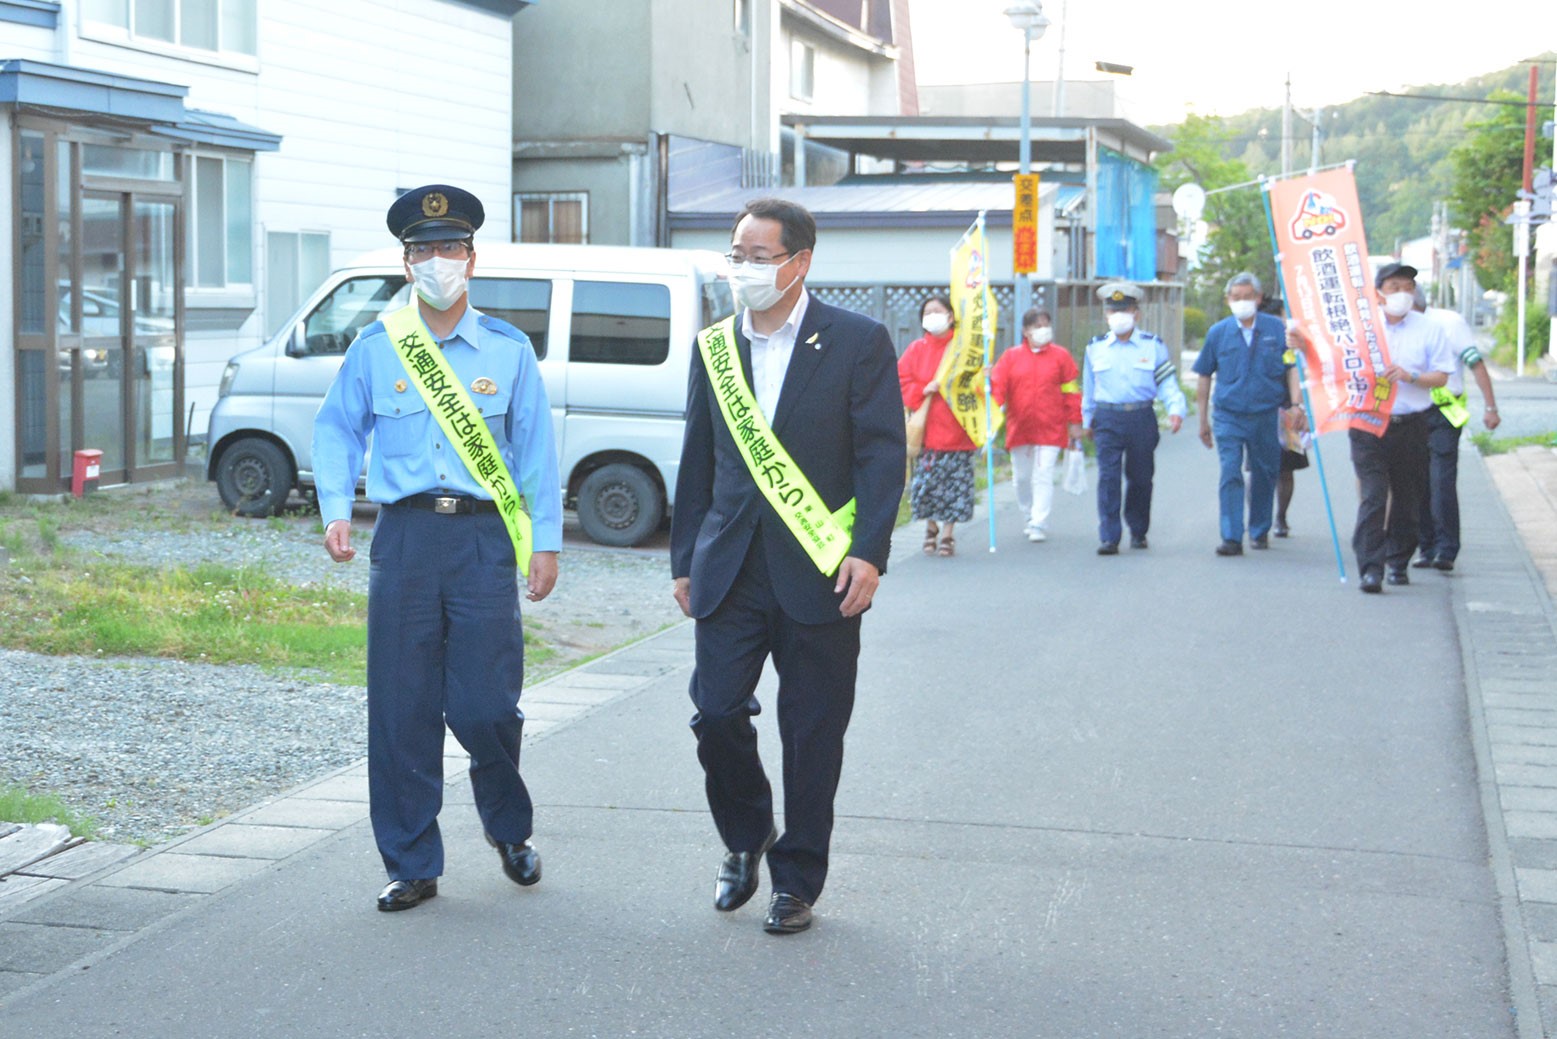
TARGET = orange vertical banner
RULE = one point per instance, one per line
(1024, 225)
(1323, 254)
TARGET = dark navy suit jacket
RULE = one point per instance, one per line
(840, 417)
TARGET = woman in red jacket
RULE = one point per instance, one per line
(941, 489)
(1038, 385)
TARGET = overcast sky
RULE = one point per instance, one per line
(1213, 57)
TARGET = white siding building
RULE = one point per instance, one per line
(205, 164)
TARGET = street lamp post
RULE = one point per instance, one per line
(1027, 17)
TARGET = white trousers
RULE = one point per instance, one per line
(1032, 471)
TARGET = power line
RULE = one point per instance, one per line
(1467, 100)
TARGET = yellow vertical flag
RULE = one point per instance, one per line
(973, 305)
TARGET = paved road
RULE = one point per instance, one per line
(1164, 794)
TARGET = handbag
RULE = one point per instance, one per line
(1075, 478)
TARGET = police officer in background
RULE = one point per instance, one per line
(1122, 373)
(444, 638)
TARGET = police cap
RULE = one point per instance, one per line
(1393, 270)
(435, 213)
(1120, 295)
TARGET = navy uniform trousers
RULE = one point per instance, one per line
(816, 666)
(444, 645)
(1391, 470)
(1438, 524)
(1126, 437)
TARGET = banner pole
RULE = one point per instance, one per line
(1308, 407)
(989, 417)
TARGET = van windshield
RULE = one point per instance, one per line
(354, 305)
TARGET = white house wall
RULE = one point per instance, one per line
(369, 97)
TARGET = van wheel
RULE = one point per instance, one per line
(254, 478)
(619, 505)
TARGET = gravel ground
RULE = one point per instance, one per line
(150, 748)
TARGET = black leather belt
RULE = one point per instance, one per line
(1135, 405)
(449, 504)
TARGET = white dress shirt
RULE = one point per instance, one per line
(1417, 344)
(770, 354)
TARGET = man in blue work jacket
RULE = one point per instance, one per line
(1122, 374)
(1255, 375)
(444, 638)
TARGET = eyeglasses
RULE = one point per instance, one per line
(451, 249)
(739, 259)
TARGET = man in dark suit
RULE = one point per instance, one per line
(825, 380)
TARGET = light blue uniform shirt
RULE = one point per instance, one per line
(374, 394)
(1129, 371)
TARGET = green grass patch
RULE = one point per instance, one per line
(19, 806)
(208, 613)
(1488, 444)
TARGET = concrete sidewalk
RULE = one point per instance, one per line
(1163, 794)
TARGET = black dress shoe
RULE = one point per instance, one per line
(1108, 548)
(737, 880)
(1229, 548)
(1443, 564)
(406, 894)
(1423, 562)
(1139, 542)
(521, 862)
(1371, 582)
(1262, 542)
(787, 915)
(1397, 575)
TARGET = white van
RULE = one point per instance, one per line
(613, 329)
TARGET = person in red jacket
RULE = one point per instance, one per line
(941, 488)
(1039, 386)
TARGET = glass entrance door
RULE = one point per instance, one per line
(128, 290)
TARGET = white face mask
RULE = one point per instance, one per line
(755, 285)
(1040, 337)
(440, 282)
(1398, 304)
(1121, 323)
(1243, 309)
(935, 322)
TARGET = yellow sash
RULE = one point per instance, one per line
(461, 422)
(824, 534)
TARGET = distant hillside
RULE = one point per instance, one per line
(1401, 146)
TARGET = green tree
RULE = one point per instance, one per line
(1239, 239)
(1488, 169)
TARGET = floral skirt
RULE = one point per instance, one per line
(942, 486)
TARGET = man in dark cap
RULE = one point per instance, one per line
(464, 467)
(1122, 374)
(1392, 468)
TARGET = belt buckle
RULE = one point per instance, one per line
(446, 506)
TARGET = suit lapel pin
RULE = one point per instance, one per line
(815, 336)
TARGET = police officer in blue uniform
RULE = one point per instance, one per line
(444, 639)
(1122, 373)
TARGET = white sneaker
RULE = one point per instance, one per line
(1036, 534)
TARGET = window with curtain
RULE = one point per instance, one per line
(552, 217)
(209, 25)
(296, 263)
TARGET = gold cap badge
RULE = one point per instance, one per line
(435, 203)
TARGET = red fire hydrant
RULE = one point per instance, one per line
(83, 476)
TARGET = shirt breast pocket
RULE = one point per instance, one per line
(494, 408)
(400, 424)
(1144, 364)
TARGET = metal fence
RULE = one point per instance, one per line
(1078, 313)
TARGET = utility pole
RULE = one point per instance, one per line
(1059, 73)
(1286, 131)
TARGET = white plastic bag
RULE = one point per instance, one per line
(1075, 478)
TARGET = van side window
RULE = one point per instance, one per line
(354, 305)
(620, 323)
(718, 303)
(525, 304)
